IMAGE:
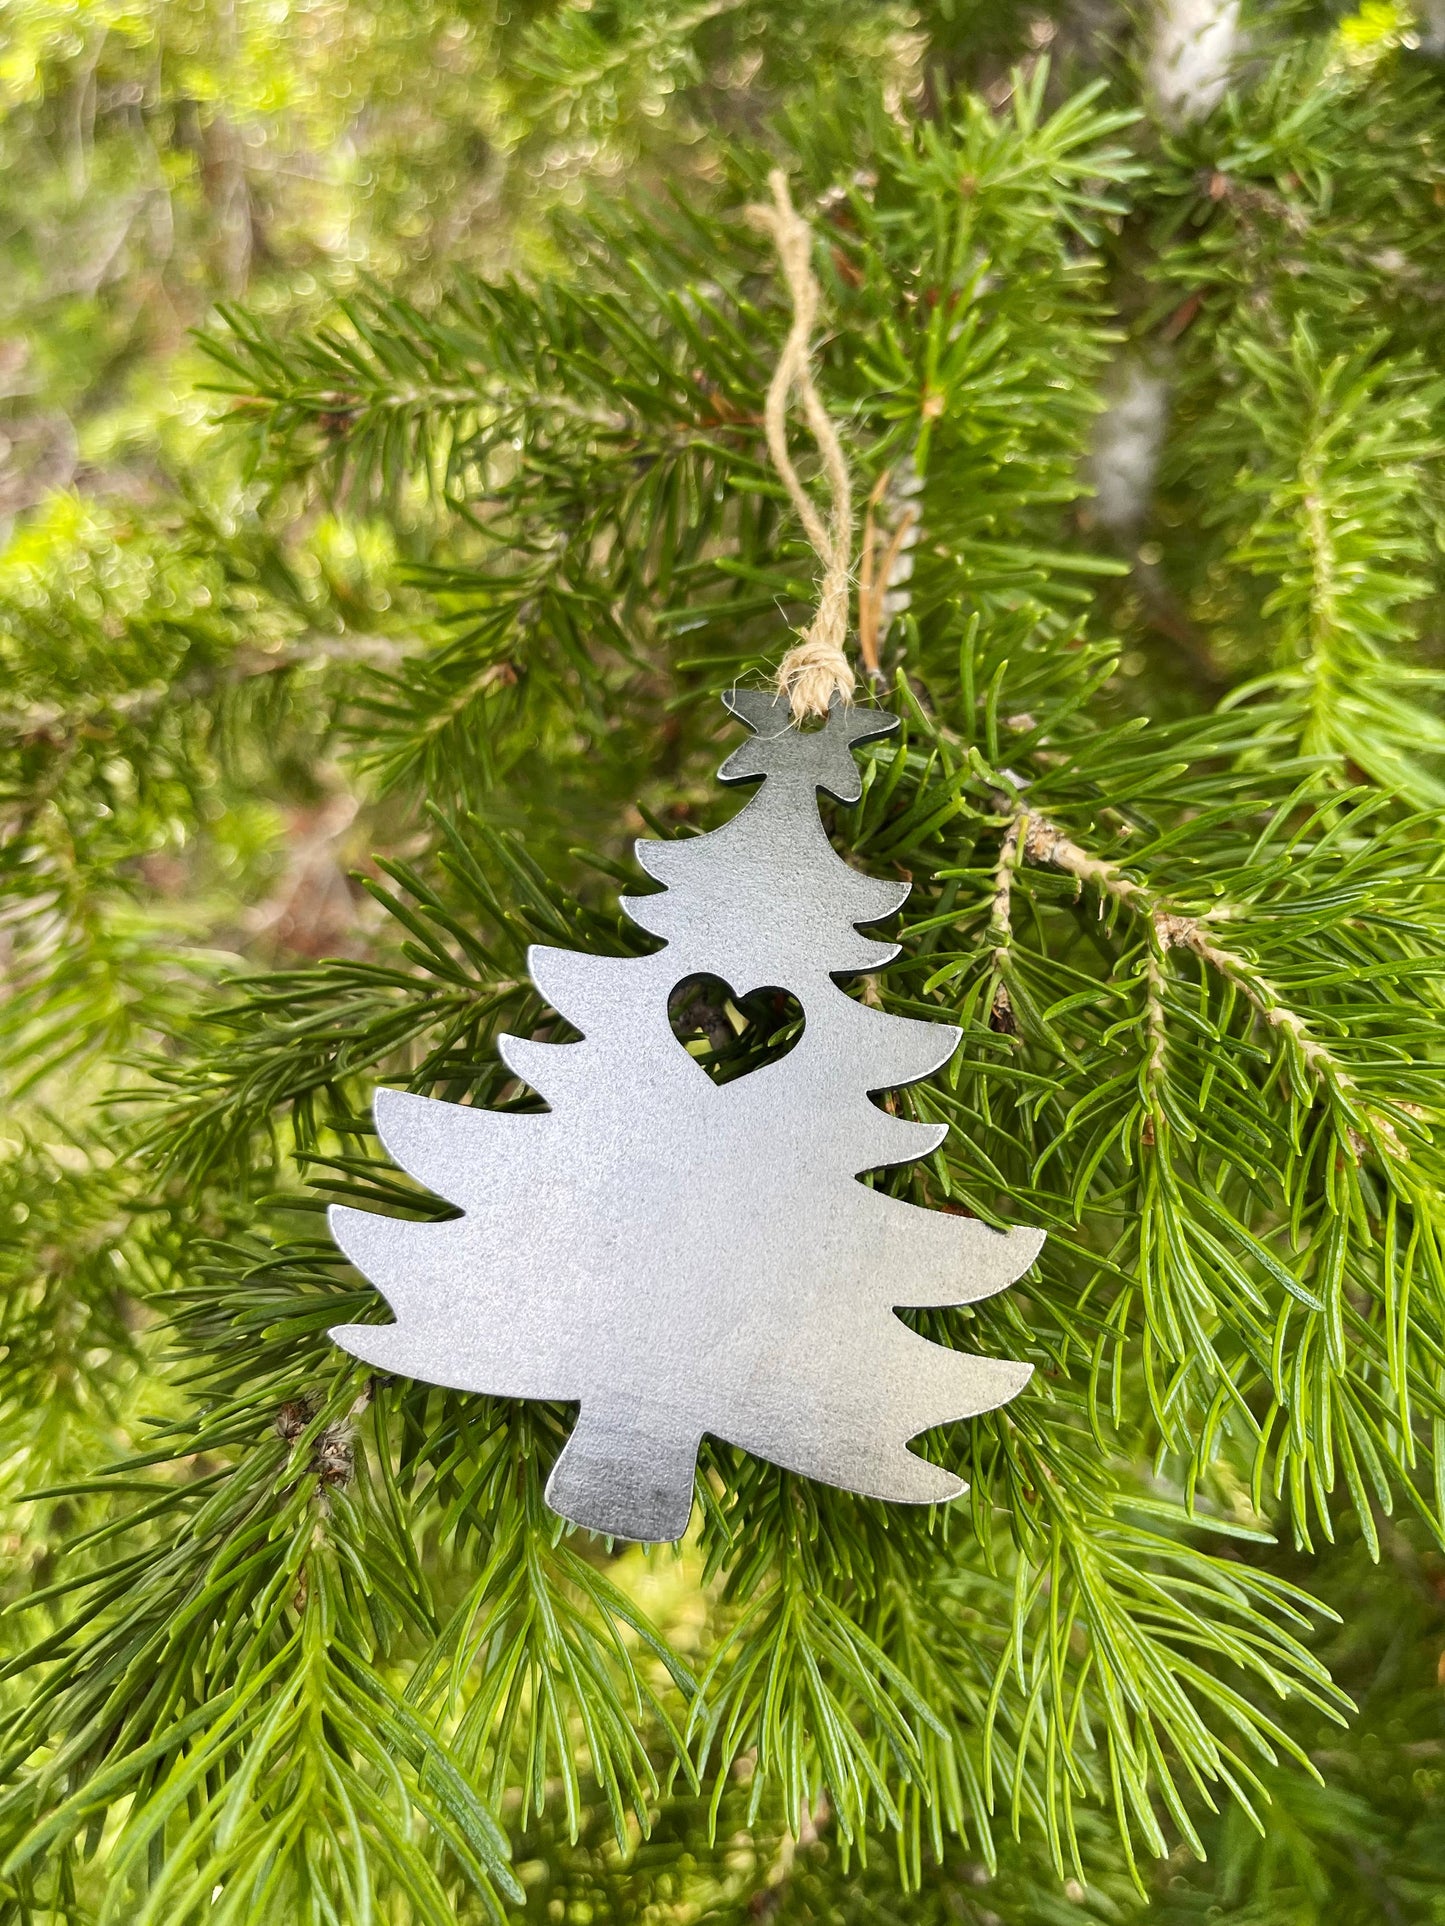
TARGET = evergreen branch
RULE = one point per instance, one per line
(1044, 842)
(273, 1661)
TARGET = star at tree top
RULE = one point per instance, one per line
(780, 748)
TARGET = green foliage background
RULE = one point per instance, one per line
(384, 502)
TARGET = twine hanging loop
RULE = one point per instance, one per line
(816, 668)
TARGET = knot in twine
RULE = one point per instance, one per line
(816, 668)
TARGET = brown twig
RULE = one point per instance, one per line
(875, 581)
(1044, 842)
(867, 608)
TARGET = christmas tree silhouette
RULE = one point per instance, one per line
(681, 1257)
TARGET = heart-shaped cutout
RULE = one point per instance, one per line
(730, 1036)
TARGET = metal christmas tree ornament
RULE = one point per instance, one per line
(679, 1257)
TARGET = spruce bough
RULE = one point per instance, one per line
(315, 1648)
